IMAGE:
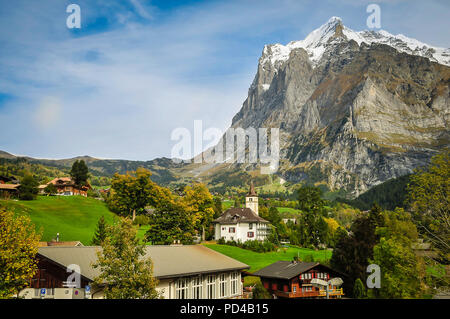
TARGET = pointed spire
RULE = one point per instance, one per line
(252, 191)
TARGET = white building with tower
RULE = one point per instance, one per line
(242, 224)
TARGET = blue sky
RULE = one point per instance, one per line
(138, 69)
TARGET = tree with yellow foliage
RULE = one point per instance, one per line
(199, 206)
(19, 243)
(428, 196)
(132, 192)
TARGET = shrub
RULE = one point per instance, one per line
(141, 220)
(259, 292)
(253, 245)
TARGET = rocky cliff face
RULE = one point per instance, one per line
(354, 108)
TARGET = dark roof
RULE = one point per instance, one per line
(239, 215)
(285, 269)
(251, 191)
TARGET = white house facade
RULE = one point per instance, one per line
(242, 224)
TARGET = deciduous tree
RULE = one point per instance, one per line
(132, 192)
(170, 225)
(19, 244)
(198, 205)
(125, 272)
(429, 201)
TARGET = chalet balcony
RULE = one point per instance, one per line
(332, 292)
(310, 294)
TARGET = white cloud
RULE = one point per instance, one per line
(143, 12)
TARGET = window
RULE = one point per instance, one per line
(306, 276)
(211, 286)
(181, 288)
(222, 285)
(250, 226)
(232, 230)
(197, 287)
(250, 234)
(294, 289)
(234, 283)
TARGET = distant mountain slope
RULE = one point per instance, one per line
(160, 167)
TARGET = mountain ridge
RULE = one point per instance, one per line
(358, 113)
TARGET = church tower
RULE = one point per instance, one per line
(251, 200)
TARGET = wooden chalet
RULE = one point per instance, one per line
(293, 279)
(8, 190)
(66, 186)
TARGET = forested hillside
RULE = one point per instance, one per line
(387, 195)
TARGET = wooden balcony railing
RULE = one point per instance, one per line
(309, 294)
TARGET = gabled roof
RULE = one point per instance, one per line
(168, 261)
(61, 180)
(290, 269)
(285, 269)
(9, 186)
(239, 215)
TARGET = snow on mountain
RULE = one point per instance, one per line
(333, 31)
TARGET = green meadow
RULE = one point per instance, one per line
(257, 261)
(73, 217)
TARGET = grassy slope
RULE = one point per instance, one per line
(257, 261)
(74, 217)
(287, 211)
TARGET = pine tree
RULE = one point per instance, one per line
(101, 232)
(28, 189)
(79, 172)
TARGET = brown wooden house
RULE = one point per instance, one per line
(293, 279)
(67, 186)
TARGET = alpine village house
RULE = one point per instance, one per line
(242, 224)
(295, 279)
(66, 186)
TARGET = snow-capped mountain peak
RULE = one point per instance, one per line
(334, 31)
